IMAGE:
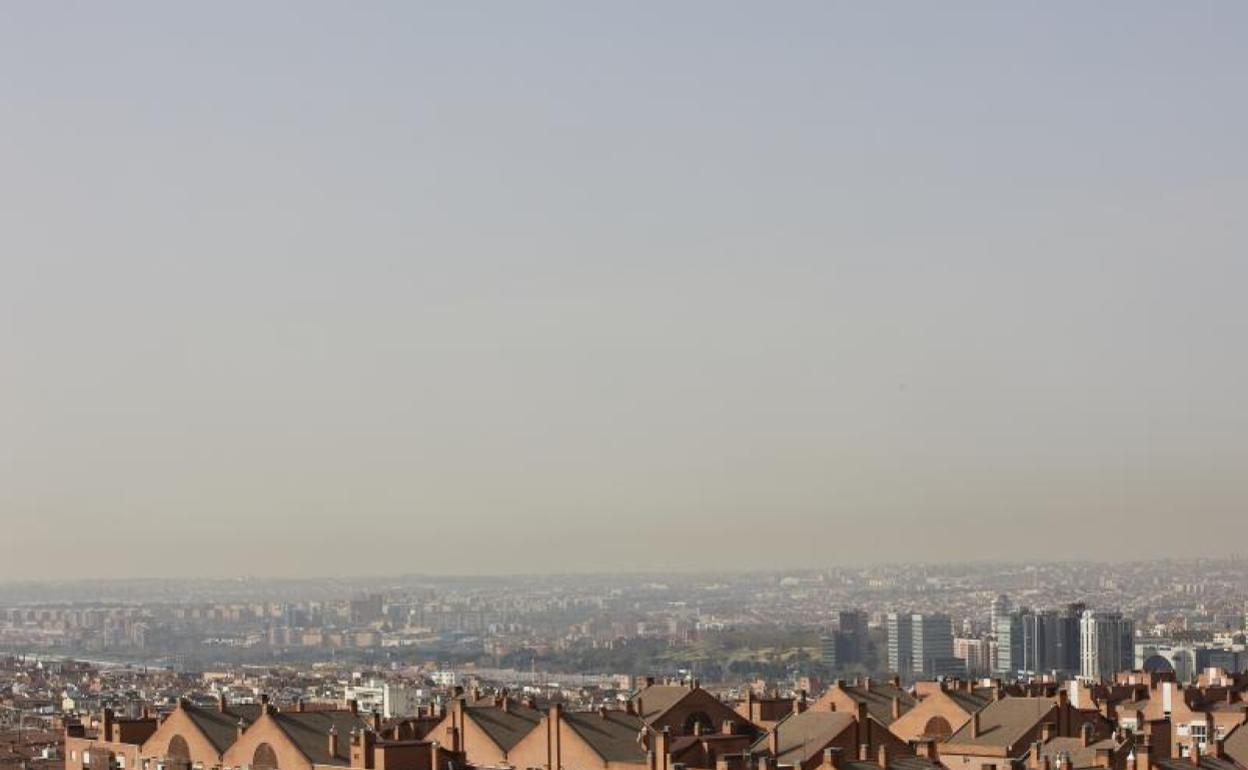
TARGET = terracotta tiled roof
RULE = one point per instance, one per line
(659, 698)
(1004, 722)
(802, 736)
(1235, 745)
(879, 699)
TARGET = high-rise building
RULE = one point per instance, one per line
(828, 644)
(975, 654)
(1008, 630)
(900, 642)
(1067, 642)
(932, 649)
(1106, 644)
(1000, 606)
(852, 637)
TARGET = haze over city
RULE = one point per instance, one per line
(327, 289)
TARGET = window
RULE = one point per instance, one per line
(1200, 732)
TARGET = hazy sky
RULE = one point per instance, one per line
(304, 288)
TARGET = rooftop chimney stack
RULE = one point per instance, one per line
(832, 758)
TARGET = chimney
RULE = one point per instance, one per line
(799, 705)
(241, 727)
(896, 707)
(866, 684)
(1195, 755)
(896, 681)
(602, 713)
(975, 725)
(376, 721)
(1215, 748)
(647, 682)
(929, 751)
(301, 706)
(554, 732)
(730, 727)
(221, 702)
(505, 704)
(773, 741)
(264, 700)
(663, 746)
(367, 740)
(106, 724)
(452, 737)
(832, 758)
(353, 705)
(1085, 734)
(333, 740)
(882, 756)
(630, 708)
(1047, 731)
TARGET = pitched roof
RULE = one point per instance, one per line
(802, 736)
(1004, 722)
(1073, 748)
(1206, 763)
(309, 731)
(1235, 745)
(658, 698)
(613, 735)
(970, 702)
(221, 727)
(504, 727)
(906, 762)
(879, 699)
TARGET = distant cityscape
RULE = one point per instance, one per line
(1078, 665)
